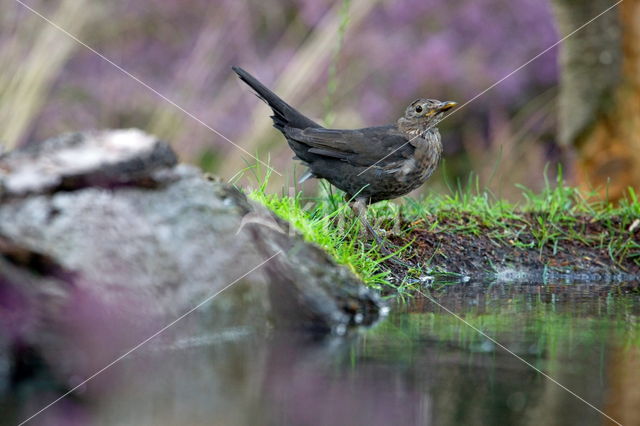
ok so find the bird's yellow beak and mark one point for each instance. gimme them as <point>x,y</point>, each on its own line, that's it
<point>446,106</point>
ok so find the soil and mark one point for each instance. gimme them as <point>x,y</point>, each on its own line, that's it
<point>484,255</point>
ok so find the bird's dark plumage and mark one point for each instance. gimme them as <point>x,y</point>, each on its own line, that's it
<point>370,164</point>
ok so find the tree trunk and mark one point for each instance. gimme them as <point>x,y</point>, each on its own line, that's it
<point>600,93</point>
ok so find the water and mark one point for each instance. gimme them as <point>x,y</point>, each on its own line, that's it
<point>421,365</point>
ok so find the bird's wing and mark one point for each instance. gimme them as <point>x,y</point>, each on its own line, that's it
<point>360,147</point>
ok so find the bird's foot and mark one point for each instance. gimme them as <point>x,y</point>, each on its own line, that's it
<point>387,249</point>
<point>360,207</point>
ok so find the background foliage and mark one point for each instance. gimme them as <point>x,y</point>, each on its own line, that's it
<point>391,53</point>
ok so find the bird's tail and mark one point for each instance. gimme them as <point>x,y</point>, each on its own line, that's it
<point>283,113</point>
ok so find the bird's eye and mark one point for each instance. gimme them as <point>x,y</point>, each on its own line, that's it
<point>419,109</point>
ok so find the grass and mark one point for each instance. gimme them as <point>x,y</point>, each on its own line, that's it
<point>557,213</point>
<point>547,220</point>
<point>326,222</point>
<point>31,72</point>
<point>332,81</point>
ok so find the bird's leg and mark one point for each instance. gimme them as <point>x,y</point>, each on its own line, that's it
<point>360,208</point>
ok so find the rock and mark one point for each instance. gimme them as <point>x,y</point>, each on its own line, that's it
<point>74,161</point>
<point>105,240</point>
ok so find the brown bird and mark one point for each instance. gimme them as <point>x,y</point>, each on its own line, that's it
<point>370,164</point>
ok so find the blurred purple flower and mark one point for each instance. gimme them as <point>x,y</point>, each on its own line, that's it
<point>400,51</point>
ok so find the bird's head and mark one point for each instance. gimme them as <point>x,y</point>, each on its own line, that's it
<point>423,114</point>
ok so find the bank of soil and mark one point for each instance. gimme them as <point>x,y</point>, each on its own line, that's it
<point>582,250</point>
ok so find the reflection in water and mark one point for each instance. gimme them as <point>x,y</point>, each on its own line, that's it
<point>419,366</point>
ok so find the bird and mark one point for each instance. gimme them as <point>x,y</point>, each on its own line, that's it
<point>369,164</point>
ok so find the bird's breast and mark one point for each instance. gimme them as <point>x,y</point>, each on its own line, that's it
<point>424,160</point>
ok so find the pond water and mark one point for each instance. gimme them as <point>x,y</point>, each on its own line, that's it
<point>421,365</point>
